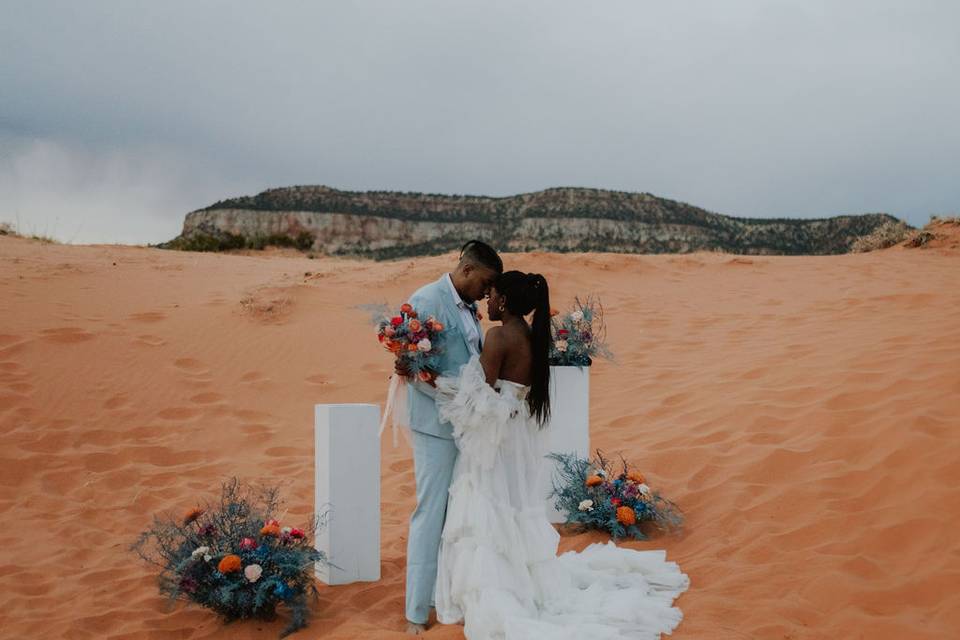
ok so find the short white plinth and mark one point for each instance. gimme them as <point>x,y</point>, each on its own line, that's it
<point>569,428</point>
<point>347,458</point>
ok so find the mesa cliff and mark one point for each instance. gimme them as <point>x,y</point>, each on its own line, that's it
<point>390,224</point>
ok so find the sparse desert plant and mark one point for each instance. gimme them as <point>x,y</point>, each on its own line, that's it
<point>920,238</point>
<point>886,235</point>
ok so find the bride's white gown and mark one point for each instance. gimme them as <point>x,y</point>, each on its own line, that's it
<point>498,570</point>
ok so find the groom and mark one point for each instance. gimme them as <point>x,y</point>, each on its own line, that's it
<point>452,300</point>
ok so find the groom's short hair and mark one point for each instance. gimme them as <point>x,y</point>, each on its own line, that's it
<point>480,253</point>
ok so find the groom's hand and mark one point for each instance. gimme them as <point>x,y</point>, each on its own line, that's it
<point>402,368</point>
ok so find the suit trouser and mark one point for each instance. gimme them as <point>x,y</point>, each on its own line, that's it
<point>433,460</point>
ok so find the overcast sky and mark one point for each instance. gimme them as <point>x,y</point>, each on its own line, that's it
<point>117,118</point>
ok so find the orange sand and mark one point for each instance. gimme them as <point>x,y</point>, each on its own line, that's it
<point>803,411</point>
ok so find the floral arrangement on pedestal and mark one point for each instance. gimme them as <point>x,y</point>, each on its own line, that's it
<point>234,557</point>
<point>594,496</point>
<point>579,335</point>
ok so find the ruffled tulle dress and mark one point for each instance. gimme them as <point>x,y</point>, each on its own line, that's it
<point>498,570</point>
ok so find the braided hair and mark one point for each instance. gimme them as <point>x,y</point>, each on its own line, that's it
<point>525,293</point>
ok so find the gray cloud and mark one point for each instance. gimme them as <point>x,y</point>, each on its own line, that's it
<point>117,118</point>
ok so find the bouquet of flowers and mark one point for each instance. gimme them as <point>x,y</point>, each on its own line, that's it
<point>579,335</point>
<point>414,340</point>
<point>234,557</point>
<point>595,497</point>
<point>417,343</point>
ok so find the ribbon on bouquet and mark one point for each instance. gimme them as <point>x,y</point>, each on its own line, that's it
<point>396,407</point>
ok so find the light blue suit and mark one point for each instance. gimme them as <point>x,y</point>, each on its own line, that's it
<point>434,451</point>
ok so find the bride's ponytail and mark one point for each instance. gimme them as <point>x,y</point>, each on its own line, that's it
<point>538,399</point>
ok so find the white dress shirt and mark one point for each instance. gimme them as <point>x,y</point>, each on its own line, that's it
<point>468,321</point>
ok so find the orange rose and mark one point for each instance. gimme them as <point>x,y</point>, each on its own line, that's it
<point>625,515</point>
<point>636,476</point>
<point>270,530</point>
<point>593,481</point>
<point>438,326</point>
<point>229,564</point>
<point>412,314</point>
<point>414,325</point>
<point>395,346</point>
<point>192,514</point>
<point>405,308</point>
<point>411,347</point>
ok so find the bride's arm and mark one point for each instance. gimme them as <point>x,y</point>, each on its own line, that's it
<point>494,350</point>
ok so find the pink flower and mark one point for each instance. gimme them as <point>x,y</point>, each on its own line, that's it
<point>248,543</point>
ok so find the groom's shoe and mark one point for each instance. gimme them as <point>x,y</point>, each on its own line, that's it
<point>415,628</point>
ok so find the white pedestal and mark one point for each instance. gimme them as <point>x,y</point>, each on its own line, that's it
<point>347,459</point>
<point>569,428</point>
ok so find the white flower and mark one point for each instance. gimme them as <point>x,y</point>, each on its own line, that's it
<point>199,551</point>
<point>253,572</point>
<point>561,345</point>
<point>207,558</point>
<point>576,316</point>
<point>644,489</point>
<point>586,505</point>
<point>286,530</point>
<point>424,345</point>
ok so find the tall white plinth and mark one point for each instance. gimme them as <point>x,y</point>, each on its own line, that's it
<point>569,428</point>
<point>347,458</point>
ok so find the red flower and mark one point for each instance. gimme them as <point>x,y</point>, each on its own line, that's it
<point>615,502</point>
<point>563,332</point>
<point>248,543</point>
<point>396,321</point>
<point>296,533</point>
<point>406,308</point>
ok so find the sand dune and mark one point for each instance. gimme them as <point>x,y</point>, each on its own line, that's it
<point>803,411</point>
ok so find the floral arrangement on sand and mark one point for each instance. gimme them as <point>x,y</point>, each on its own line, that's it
<point>594,496</point>
<point>234,557</point>
<point>579,335</point>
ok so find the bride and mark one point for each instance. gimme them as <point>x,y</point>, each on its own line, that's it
<point>499,573</point>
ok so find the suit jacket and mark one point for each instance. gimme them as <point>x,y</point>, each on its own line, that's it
<point>436,299</point>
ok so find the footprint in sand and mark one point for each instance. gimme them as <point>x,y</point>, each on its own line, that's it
<point>6,339</point>
<point>117,401</point>
<point>66,335</point>
<point>9,401</point>
<point>206,398</point>
<point>190,365</point>
<point>148,316</point>
<point>401,466</point>
<point>253,376</point>
<point>283,452</point>
<point>150,340</point>
<point>178,413</point>
<point>319,379</point>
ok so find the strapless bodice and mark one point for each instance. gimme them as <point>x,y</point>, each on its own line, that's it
<point>511,389</point>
